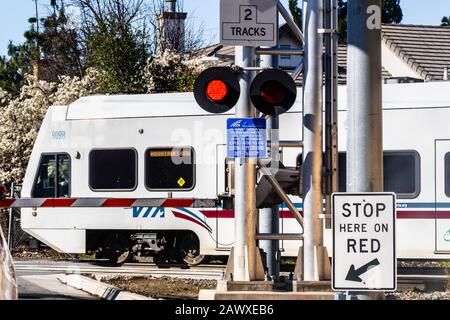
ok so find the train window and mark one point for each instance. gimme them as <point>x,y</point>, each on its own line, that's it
<point>447,174</point>
<point>342,169</point>
<point>53,177</point>
<point>170,169</point>
<point>401,173</point>
<point>113,170</point>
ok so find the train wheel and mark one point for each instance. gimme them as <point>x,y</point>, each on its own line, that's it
<point>117,248</point>
<point>189,250</point>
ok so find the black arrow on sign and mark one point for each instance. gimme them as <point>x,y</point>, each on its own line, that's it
<point>354,274</point>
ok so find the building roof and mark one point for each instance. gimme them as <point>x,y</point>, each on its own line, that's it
<point>342,66</point>
<point>226,54</point>
<point>425,49</point>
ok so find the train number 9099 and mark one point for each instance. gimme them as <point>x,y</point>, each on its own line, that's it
<point>58,135</point>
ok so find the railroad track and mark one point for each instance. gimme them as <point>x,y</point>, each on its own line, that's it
<point>424,279</point>
<point>210,272</point>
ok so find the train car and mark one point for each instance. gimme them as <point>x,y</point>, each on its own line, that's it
<point>166,146</point>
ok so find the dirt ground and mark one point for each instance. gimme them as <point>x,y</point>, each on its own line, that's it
<point>173,288</point>
<point>164,287</point>
<point>24,253</point>
<point>418,295</point>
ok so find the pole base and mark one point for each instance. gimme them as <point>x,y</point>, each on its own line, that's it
<point>256,275</point>
<point>323,264</point>
<point>265,295</point>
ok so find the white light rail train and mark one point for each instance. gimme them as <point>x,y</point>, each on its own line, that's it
<point>166,146</point>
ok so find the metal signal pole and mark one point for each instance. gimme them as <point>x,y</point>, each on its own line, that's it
<point>244,266</point>
<point>269,221</point>
<point>364,92</point>
<point>312,138</point>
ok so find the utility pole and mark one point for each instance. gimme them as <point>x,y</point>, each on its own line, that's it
<point>331,105</point>
<point>364,92</point>
<point>37,16</point>
<point>313,249</point>
<point>269,221</point>
<point>244,266</point>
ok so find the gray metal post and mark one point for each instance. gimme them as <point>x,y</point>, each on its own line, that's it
<point>331,107</point>
<point>312,138</point>
<point>269,217</point>
<point>364,92</point>
<point>245,208</point>
<point>11,217</point>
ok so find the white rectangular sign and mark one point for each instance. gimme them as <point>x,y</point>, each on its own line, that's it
<point>251,23</point>
<point>364,255</point>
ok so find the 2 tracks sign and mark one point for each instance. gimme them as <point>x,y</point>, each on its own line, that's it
<point>251,23</point>
<point>364,255</point>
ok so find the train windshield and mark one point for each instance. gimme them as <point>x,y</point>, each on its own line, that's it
<point>53,177</point>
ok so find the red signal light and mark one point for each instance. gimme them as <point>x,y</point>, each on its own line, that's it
<point>273,92</point>
<point>216,90</point>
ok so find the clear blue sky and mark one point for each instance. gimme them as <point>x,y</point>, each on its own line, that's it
<point>15,13</point>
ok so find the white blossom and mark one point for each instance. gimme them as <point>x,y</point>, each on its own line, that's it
<point>170,71</point>
<point>21,118</point>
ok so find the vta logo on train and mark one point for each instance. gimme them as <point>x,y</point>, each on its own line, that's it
<point>179,213</point>
<point>149,212</point>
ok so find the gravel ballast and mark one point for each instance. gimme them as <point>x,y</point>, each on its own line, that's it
<point>163,287</point>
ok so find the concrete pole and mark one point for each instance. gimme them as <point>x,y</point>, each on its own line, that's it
<point>269,221</point>
<point>364,91</point>
<point>312,138</point>
<point>244,266</point>
<point>331,106</point>
<point>269,217</point>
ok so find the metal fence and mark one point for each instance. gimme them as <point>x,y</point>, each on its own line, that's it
<point>16,236</point>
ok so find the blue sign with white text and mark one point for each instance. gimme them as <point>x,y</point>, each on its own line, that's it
<point>246,138</point>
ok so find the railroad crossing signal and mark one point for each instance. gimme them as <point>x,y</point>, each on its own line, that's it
<point>272,92</point>
<point>217,89</point>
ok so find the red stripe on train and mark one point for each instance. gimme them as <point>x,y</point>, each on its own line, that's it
<point>423,214</point>
<point>218,213</point>
<point>443,214</point>
<point>285,214</point>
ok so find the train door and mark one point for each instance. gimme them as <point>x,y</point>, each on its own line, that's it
<point>442,192</point>
<point>224,215</point>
